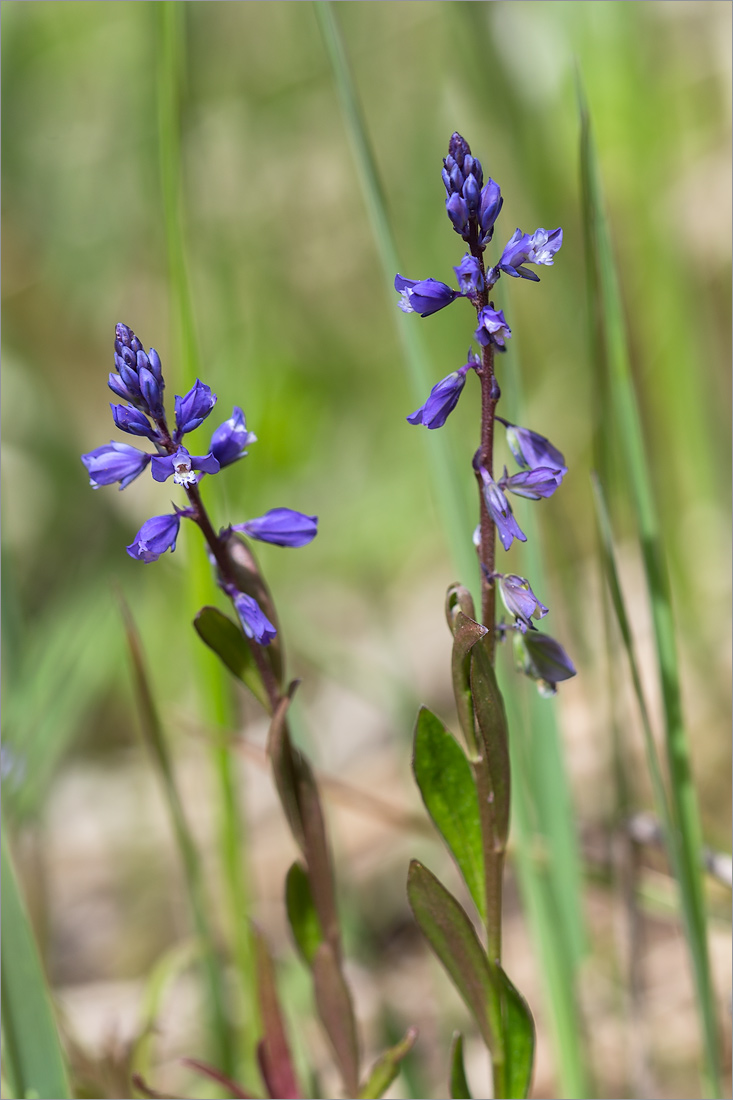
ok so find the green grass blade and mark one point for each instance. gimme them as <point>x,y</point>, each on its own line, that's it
<point>625,433</point>
<point>31,1046</point>
<point>448,480</point>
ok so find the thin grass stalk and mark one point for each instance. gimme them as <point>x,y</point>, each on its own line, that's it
<point>626,432</point>
<point>213,685</point>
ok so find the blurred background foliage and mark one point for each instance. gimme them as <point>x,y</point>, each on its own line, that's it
<point>293,324</point>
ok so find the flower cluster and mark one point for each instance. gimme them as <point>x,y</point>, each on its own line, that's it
<point>473,208</point>
<point>138,380</point>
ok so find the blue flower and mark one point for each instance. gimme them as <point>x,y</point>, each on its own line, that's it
<point>131,420</point>
<point>140,376</point>
<point>532,450</point>
<point>192,410</point>
<point>155,537</point>
<point>281,526</point>
<point>519,600</point>
<point>492,328</point>
<point>182,466</point>
<point>114,462</point>
<point>499,509</point>
<point>255,623</point>
<point>230,439</point>
<point>468,203</point>
<point>539,248</point>
<point>533,484</point>
<point>423,296</point>
<point>542,659</point>
<point>443,397</point>
<point>489,209</point>
<point>469,276</point>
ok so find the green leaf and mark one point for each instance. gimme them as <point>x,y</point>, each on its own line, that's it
<point>387,1066</point>
<point>519,1040</point>
<point>459,1089</point>
<point>31,1047</point>
<point>222,634</point>
<point>337,1013</point>
<point>494,734</point>
<point>445,925</point>
<point>447,786</point>
<point>302,915</point>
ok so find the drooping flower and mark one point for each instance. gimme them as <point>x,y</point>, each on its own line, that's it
<point>542,659</point>
<point>192,410</point>
<point>281,526</point>
<point>255,623</point>
<point>492,328</point>
<point>183,467</point>
<point>469,276</point>
<point>155,537</point>
<point>114,462</point>
<point>423,296</point>
<point>230,440</point>
<point>499,509</point>
<point>531,450</point>
<point>443,397</point>
<point>533,484</point>
<point>519,600</point>
<point>539,248</point>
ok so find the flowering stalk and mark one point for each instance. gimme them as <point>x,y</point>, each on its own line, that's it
<point>473,208</point>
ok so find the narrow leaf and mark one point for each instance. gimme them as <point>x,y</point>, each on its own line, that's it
<point>448,789</point>
<point>445,925</point>
<point>302,915</point>
<point>216,1075</point>
<point>273,1052</point>
<point>31,1047</point>
<point>519,1040</point>
<point>459,1089</point>
<point>494,735</point>
<point>387,1066</point>
<point>222,634</point>
<point>336,1011</point>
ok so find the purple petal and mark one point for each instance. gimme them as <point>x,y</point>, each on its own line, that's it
<point>114,462</point>
<point>282,527</point>
<point>441,402</point>
<point>155,537</point>
<point>192,410</point>
<point>533,484</point>
<point>230,439</point>
<point>255,623</point>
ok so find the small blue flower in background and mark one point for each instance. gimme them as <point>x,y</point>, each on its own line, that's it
<point>533,484</point>
<point>492,328</point>
<point>531,450</point>
<point>183,467</point>
<point>443,397</point>
<point>230,440</point>
<point>281,527</point>
<point>519,600</point>
<point>500,509</point>
<point>155,537</point>
<point>423,296</point>
<point>539,248</point>
<point>114,462</point>
<point>469,276</point>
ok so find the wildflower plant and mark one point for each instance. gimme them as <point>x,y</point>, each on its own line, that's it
<point>467,790</point>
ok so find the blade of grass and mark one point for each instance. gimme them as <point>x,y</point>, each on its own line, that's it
<point>154,738</point>
<point>448,481</point>
<point>213,686</point>
<point>31,1048</point>
<point>624,432</point>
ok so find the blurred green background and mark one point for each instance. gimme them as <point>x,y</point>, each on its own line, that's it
<point>293,324</point>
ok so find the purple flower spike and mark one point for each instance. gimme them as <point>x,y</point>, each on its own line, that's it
<point>182,466</point>
<point>539,248</point>
<point>230,440</point>
<point>442,400</point>
<point>132,421</point>
<point>492,328</point>
<point>423,296</point>
<point>533,484</point>
<point>489,209</point>
<point>542,659</point>
<point>114,462</point>
<point>155,537</point>
<point>520,601</point>
<point>281,527</point>
<point>500,510</point>
<point>192,410</point>
<point>255,623</point>
<point>469,276</point>
<point>532,450</point>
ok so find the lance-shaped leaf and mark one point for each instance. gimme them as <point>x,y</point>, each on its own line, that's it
<point>298,792</point>
<point>519,1039</point>
<point>273,1053</point>
<point>246,573</point>
<point>459,1089</point>
<point>448,789</point>
<point>445,925</point>
<point>386,1067</point>
<point>226,639</point>
<point>494,736</point>
<point>302,915</point>
<point>333,1000</point>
